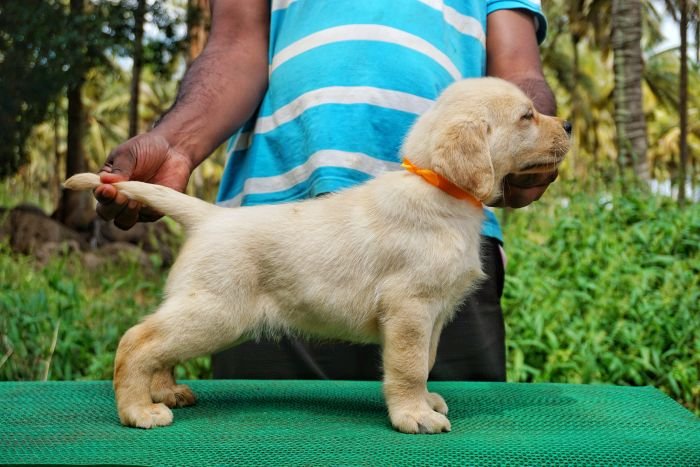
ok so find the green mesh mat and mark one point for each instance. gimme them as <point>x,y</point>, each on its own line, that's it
<point>344,423</point>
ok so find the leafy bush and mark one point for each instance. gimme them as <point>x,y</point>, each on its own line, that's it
<point>606,291</point>
<point>62,322</point>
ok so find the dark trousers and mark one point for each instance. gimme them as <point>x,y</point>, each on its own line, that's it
<point>472,345</point>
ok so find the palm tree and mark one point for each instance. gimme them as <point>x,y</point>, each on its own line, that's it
<point>684,13</point>
<point>683,100</point>
<point>628,70</point>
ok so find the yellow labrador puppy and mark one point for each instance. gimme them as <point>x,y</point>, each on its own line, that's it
<point>385,262</point>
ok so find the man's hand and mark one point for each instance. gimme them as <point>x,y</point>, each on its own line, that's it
<point>513,54</point>
<point>219,92</point>
<point>147,158</point>
<point>519,190</point>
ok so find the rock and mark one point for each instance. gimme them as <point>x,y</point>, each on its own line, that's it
<point>153,237</point>
<point>44,252</point>
<point>27,228</point>
<point>116,254</point>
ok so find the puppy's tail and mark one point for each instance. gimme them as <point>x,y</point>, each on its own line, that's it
<point>185,209</point>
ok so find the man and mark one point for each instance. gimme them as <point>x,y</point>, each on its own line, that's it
<point>323,93</point>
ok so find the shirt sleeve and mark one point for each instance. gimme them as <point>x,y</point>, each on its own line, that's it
<point>533,6</point>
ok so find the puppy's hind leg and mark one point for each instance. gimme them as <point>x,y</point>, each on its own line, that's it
<point>164,389</point>
<point>134,367</point>
<point>181,329</point>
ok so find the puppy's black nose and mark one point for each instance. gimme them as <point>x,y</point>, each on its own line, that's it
<point>567,128</point>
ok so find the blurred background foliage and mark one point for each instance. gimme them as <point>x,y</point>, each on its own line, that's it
<point>46,47</point>
<point>605,289</point>
<point>602,282</point>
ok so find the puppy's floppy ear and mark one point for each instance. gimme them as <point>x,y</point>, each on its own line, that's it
<point>462,156</point>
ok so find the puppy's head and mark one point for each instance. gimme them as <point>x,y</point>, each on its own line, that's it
<point>481,130</point>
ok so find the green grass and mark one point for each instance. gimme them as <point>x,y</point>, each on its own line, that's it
<point>606,292</point>
<point>596,292</point>
<point>62,322</point>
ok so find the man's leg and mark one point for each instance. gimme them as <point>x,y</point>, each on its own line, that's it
<point>297,359</point>
<point>472,346</point>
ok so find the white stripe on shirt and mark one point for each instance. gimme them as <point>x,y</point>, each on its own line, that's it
<point>365,32</point>
<point>379,97</point>
<point>462,23</point>
<point>242,141</point>
<point>280,4</point>
<point>324,158</point>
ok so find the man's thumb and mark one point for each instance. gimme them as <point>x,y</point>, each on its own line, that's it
<point>118,166</point>
<point>109,178</point>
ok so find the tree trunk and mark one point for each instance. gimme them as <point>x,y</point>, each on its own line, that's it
<point>57,157</point>
<point>575,103</point>
<point>628,68</point>
<point>197,27</point>
<point>75,158</point>
<point>683,104</point>
<point>696,22</point>
<point>139,17</point>
<point>75,208</point>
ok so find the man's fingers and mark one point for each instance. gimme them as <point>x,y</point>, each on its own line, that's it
<point>128,216</point>
<point>147,214</point>
<point>516,197</point>
<point>520,190</point>
<point>120,163</point>
<point>109,178</point>
<point>113,205</point>
<point>105,194</point>
<point>110,202</point>
<point>531,180</point>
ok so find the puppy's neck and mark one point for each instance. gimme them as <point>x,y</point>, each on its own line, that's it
<point>443,184</point>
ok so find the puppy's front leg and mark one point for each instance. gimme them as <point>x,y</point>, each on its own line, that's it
<point>435,400</point>
<point>407,336</point>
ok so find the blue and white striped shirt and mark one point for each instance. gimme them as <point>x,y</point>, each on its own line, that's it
<point>347,80</point>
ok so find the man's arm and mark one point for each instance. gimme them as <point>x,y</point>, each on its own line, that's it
<point>225,84</point>
<point>220,91</point>
<point>512,53</point>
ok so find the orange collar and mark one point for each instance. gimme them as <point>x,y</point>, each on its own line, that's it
<point>441,182</point>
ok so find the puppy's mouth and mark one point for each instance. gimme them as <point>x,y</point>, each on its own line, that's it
<point>547,161</point>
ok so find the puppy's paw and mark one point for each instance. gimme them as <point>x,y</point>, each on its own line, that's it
<point>436,402</point>
<point>178,395</point>
<point>148,416</point>
<point>423,420</point>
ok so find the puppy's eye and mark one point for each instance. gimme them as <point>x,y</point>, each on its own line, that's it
<point>528,116</point>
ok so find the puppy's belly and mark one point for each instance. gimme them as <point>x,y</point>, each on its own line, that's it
<point>332,318</point>
<point>321,327</point>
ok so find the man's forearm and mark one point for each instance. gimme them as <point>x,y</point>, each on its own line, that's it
<point>225,84</point>
<point>513,54</point>
<point>218,94</point>
<point>539,91</point>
